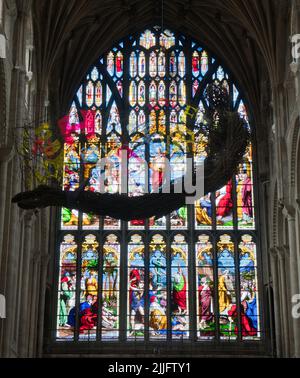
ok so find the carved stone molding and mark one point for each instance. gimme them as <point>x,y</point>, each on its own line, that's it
<point>28,218</point>
<point>286,250</point>
<point>273,253</point>
<point>294,155</point>
<point>289,212</point>
<point>295,68</point>
<point>282,252</point>
<point>298,205</point>
<point>6,154</point>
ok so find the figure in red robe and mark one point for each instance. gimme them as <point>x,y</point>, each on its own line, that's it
<point>195,63</point>
<point>134,280</point>
<point>179,292</point>
<point>205,299</point>
<point>247,328</point>
<point>225,204</point>
<point>119,64</point>
<point>89,123</point>
<point>88,314</point>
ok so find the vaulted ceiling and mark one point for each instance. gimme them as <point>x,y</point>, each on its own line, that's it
<point>248,35</point>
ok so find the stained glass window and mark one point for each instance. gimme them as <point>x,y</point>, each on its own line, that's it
<point>192,275</point>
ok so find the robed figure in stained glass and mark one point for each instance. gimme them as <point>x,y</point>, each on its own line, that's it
<point>179,291</point>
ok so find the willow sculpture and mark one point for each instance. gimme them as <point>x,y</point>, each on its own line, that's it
<point>227,135</point>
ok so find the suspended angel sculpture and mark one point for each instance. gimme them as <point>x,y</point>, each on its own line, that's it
<point>228,136</point>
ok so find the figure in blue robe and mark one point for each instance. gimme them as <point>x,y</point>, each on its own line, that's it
<point>206,204</point>
<point>158,269</point>
<point>251,312</point>
<point>72,314</point>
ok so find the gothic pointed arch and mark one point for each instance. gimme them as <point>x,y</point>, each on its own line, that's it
<point>192,275</point>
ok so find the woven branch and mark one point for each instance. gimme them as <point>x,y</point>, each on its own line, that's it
<point>228,137</point>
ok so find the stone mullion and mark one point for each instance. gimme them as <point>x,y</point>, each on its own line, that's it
<point>192,277</point>
<point>238,288</point>
<point>169,288</point>
<point>147,282</point>
<point>123,288</point>
<point>124,225</point>
<point>100,285</point>
<point>216,290</point>
<point>78,288</point>
<point>167,81</point>
<point>192,274</point>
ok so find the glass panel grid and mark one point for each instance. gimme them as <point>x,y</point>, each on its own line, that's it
<point>158,291</point>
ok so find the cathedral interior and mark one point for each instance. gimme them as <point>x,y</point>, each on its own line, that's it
<point>218,278</point>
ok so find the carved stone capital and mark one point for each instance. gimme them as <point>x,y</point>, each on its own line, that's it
<point>289,212</point>
<point>286,250</point>
<point>26,216</point>
<point>282,251</point>
<point>273,253</point>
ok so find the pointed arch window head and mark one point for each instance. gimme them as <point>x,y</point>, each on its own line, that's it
<point>191,275</point>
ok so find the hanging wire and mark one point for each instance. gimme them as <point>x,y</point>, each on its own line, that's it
<point>162,16</point>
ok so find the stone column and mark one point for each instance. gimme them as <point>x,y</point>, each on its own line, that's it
<point>6,154</point>
<point>11,260</point>
<point>46,231</point>
<point>25,288</point>
<point>34,308</point>
<point>289,213</point>
<point>276,292</point>
<point>12,235</point>
<point>284,302</point>
<point>45,258</point>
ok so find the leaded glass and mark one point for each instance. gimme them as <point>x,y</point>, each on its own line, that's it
<point>192,275</point>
